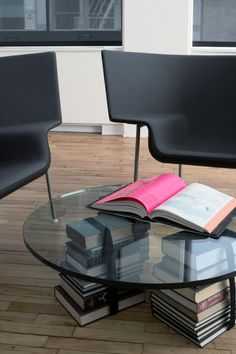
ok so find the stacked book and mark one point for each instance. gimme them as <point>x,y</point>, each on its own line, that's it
<point>88,301</point>
<point>200,313</point>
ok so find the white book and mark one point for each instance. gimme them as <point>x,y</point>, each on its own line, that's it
<point>166,197</point>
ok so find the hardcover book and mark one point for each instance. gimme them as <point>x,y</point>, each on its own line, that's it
<point>96,256</point>
<point>201,292</point>
<point>89,233</point>
<point>199,329</point>
<point>122,263</point>
<point>166,271</point>
<point>198,252</point>
<point>166,197</point>
<point>200,336</point>
<point>87,301</point>
<point>201,305</point>
<point>186,320</point>
<point>127,299</point>
<point>164,299</point>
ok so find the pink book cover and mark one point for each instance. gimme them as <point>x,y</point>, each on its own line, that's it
<point>149,192</point>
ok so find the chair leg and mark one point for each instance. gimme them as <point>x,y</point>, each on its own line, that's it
<point>180,170</point>
<point>52,206</point>
<point>136,158</point>
<point>137,148</point>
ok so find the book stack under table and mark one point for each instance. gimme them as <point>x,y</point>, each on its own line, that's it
<point>88,301</point>
<point>200,313</point>
<point>86,306</point>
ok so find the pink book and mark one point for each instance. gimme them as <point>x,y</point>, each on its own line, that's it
<point>166,197</point>
<point>148,192</point>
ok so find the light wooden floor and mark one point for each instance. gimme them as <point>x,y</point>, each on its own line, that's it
<point>31,320</point>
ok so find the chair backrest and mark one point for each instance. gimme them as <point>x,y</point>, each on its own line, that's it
<point>200,87</point>
<point>29,90</point>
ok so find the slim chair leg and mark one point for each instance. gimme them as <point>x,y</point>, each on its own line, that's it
<point>180,170</point>
<point>137,148</point>
<point>52,206</point>
<point>136,158</point>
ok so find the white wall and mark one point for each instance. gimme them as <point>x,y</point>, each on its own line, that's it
<point>82,87</point>
<point>148,25</point>
<point>156,26</point>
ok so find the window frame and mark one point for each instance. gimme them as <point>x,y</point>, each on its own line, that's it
<point>66,38</point>
<point>209,46</point>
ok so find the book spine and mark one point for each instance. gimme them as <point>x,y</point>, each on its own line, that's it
<point>97,251</point>
<point>87,262</point>
<point>80,240</point>
<point>96,300</point>
<point>94,257</point>
<point>197,307</point>
<point>76,237</point>
<point>89,302</point>
<point>213,300</point>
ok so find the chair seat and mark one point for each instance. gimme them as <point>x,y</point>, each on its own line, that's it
<point>186,101</point>
<point>205,150</point>
<point>19,173</point>
<point>172,141</point>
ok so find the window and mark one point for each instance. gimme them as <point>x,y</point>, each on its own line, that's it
<point>214,23</point>
<point>60,22</point>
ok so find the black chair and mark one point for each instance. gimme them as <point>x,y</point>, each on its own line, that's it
<point>29,108</point>
<point>187,102</point>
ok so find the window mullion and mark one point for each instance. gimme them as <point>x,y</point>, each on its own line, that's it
<point>48,19</point>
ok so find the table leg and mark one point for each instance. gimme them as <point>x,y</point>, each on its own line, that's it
<point>113,300</point>
<point>232,302</point>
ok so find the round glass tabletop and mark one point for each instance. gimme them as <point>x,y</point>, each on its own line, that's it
<point>125,252</point>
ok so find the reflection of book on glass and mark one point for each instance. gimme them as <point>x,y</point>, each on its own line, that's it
<point>93,256</point>
<point>182,273</point>
<point>195,206</point>
<point>97,256</point>
<point>89,232</point>
<point>120,263</point>
<point>197,252</point>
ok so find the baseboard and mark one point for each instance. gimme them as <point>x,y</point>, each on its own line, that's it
<point>104,129</point>
<point>125,130</point>
<point>78,128</point>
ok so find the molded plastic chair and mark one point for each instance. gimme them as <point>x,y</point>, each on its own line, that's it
<point>29,108</point>
<point>187,102</point>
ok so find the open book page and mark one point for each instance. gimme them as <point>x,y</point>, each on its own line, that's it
<point>148,192</point>
<point>200,205</point>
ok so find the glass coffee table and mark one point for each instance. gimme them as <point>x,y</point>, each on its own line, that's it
<point>130,253</point>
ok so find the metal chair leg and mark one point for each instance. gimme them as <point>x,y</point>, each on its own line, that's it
<point>52,206</point>
<point>137,148</point>
<point>136,158</point>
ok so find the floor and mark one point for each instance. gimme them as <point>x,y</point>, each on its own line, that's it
<point>31,320</point>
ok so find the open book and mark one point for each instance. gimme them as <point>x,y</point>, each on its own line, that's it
<point>166,197</point>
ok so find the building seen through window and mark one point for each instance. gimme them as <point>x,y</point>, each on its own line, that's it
<point>67,22</point>
<point>214,23</point>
